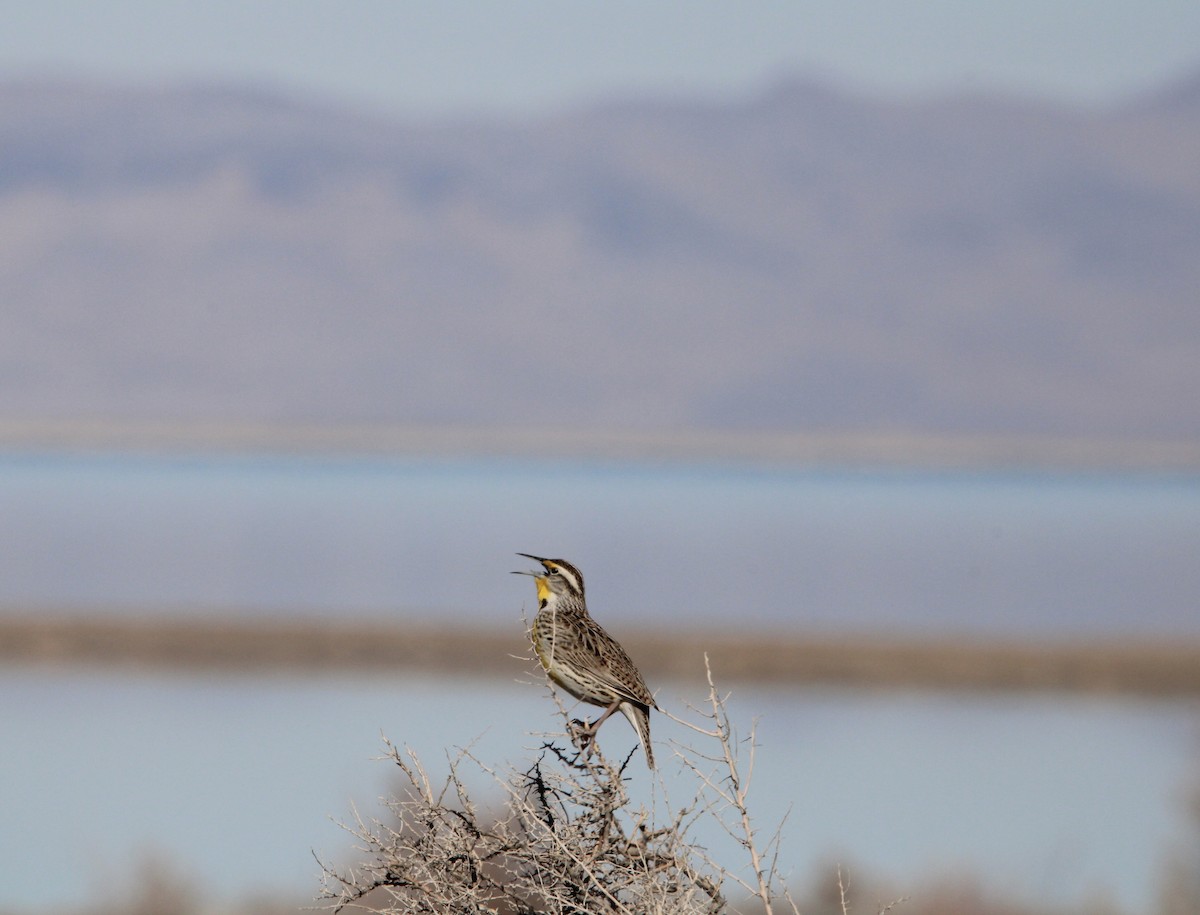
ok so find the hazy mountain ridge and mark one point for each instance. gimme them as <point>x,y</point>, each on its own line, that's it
<point>799,259</point>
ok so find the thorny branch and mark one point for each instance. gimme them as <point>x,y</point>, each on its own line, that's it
<point>563,836</point>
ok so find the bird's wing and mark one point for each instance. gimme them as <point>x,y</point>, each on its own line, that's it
<point>616,669</point>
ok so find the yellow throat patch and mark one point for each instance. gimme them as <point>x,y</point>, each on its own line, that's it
<point>542,588</point>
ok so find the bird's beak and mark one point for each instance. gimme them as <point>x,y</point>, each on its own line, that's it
<point>537,558</point>
<point>545,563</point>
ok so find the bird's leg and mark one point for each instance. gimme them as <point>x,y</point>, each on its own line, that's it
<point>595,725</point>
<point>583,733</point>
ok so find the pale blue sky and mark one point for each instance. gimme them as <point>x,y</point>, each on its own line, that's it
<point>531,55</point>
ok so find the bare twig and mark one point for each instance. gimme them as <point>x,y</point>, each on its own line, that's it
<point>563,836</point>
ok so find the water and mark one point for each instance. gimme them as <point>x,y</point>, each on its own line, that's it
<point>1012,555</point>
<point>238,781</point>
<point>237,778</point>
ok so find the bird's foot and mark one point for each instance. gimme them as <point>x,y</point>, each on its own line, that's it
<point>581,734</point>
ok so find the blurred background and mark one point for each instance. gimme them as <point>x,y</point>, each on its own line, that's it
<point>856,345</point>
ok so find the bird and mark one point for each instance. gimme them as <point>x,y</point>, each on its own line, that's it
<point>581,657</point>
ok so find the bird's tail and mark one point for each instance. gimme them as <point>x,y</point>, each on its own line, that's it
<point>639,717</point>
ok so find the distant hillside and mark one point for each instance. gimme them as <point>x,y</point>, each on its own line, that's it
<point>801,259</point>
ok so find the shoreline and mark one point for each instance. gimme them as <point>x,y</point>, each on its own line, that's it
<point>1158,669</point>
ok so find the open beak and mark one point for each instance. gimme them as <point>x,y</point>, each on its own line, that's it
<point>531,574</point>
<point>535,559</point>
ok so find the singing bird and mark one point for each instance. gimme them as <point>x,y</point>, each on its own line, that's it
<point>581,657</point>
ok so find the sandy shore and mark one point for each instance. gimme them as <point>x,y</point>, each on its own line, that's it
<point>1162,669</point>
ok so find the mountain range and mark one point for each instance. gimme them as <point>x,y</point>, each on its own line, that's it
<point>803,258</point>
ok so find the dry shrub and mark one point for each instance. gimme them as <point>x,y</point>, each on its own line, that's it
<point>566,838</point>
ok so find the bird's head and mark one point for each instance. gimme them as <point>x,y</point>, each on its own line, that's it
<point>560,580</point>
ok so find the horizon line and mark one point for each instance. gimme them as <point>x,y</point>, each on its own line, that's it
<point>900,449</point>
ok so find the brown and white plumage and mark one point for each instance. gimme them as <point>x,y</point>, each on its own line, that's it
<point>581,657</point>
